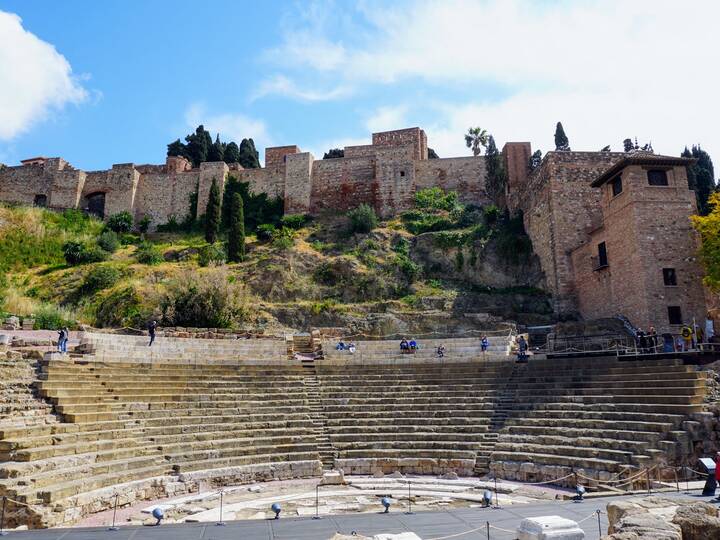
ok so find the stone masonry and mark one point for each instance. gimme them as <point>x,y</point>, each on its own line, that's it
<point>565,211</point>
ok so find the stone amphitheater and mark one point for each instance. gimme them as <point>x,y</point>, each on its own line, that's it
<point>116,417</point>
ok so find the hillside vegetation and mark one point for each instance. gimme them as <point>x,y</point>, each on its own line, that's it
<point>444,265</point>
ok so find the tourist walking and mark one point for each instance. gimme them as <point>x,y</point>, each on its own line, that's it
<point>484,344</point>
<point>151,330</point>
<point>522,349</point>
<point>62,336</point>
<point>441,351</point>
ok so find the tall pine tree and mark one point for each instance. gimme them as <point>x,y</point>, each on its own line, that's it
<point>561,141</point>
<point>236,232</point>
<point>212,214</point>
<point>198,145</point>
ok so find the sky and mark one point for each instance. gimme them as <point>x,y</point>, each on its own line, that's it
<point>115,81</point>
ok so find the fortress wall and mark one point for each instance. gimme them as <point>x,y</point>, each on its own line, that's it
<point>66,188</point>
<point>395,175</point>
<point>560,208</point>
<point>216,170</point>
<point>342,183</point>
<point>414,137</point>
<point>262,181</point>
<point>466,175</point>
<point>367,150</point>
<point>161,195</point>
<point>298,173</point>
<point>119,185</point>
<point>21,184</point>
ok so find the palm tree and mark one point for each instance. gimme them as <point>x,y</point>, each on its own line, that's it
<point>475,138</point>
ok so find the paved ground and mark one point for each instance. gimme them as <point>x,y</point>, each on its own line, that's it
<point>427,525</point>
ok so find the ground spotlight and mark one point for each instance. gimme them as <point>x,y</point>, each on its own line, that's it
<point>158,514</point>
<point>276,508</point>
<point>385,501</point>
<point>579,492</point>
<point>487,498</point>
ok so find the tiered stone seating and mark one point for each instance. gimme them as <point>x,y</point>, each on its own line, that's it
<point>385,351</point>
<point>598,416</point>
<point>416,418</point>
<point>116,347</point>
<point>128,422</point>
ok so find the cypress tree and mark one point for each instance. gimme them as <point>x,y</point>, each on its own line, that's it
<point>535,160</point>
<point>249,157</point>
<point>232,153</point>
<point>212,214</point>
<point>216,150</point>
<point>561,141</point>
<point>495,169</point>
<point>236,232</point>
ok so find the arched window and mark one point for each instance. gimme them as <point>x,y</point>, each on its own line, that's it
<point>95,204</point>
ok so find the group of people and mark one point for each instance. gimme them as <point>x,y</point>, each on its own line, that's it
<point>349,347</point>
<point>63,338</point>
<point>687,340</point>
<point>408,346</point>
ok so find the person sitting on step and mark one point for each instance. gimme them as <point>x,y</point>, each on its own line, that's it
<point>404,347</point>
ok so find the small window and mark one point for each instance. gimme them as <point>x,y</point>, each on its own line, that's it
<point>616,186</point>
<point>402,173</point>
<point>657,178</point>
<point>669,277</point>
<point>674,315</point>
<point>602,255</point>
<point>40,200</point>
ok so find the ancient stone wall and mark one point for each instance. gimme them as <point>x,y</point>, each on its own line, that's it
<point>298,184</point>
<point>466,175</point>
<point>645,229</point>
<point>165,195</point>
<point>414,137</point>
<point>342,184</point>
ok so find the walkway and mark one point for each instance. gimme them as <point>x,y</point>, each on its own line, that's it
<point>427,525</point>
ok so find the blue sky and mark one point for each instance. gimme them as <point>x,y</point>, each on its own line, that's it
<point>112,82</point>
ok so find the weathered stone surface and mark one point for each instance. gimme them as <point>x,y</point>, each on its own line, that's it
<point>698,521</point>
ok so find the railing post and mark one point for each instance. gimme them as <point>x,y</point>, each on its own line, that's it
<point>599,526</point>
<point>317,501</point>
<point>2,518</point>
<point>113,527</point>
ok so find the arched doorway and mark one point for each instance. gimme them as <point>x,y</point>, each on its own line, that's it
<point>95,204</point>
<point>40,200</point>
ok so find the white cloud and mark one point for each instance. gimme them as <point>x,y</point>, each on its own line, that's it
<point>607,69</point>
<point>34,78</point>
<point>230,126</point>
<point>284,86</point>
<point>387,118</point>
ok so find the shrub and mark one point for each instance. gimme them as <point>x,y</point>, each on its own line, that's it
<point>109,241</point>
<point>211,254</point>
<point>123,307</point>
<point>144,224</point>
<point>49,317</point>
<point>79,253</point>
<point>171,226</point>
<point>294,221</point>
<point>491,214</point>
<point>266,232</point>
<point>283,238</point>
<point>121,222</point>
<point>362,219</point>
<point>206,300</point>
<point>148,253</point>
<point>101,277</point>
<point>435,198</point>
<point>408,268</point>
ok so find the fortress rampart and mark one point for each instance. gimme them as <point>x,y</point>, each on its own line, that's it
<point>566,213</point>
<point>384,174</point>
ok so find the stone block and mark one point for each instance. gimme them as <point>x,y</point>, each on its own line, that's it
<point>549,528</point>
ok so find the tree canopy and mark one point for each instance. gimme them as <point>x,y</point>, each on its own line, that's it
<point>709,228</point>
<point>199,147</point>
<point>701,177</point>
<point>535,160</point>
<point>561,141</point>
<point>476,138</point>
<point>334,153</point>
<point>432,154</point>
<point>495,170</point>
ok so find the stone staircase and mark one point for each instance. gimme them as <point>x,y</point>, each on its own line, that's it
<point>504,405</point>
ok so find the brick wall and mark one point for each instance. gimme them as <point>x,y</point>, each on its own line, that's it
<point>414,137</point>
<point>298,172</point>
<point>275,156</point>
<point>342,184</point>
<point>466,175</point>
<point>162,195</point>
